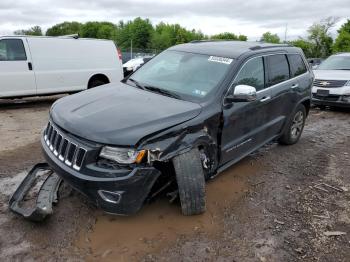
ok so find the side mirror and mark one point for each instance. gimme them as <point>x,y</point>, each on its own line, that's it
<point>241,93</point>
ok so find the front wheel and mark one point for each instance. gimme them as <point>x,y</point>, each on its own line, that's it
<point>191,182</point>
<point>295,127</point>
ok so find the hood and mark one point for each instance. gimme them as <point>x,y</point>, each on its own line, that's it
<point>119,114</point>
<point>332,74</point>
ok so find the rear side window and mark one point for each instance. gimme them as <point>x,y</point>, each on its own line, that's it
<point>297,65</point>
<point>277,68</point>
<point>252,74</point>
<point>12,50</point>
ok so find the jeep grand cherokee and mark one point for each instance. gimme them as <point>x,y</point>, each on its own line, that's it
<point>189,113</point>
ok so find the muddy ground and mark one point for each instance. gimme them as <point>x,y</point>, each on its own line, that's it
<point>275,205</point>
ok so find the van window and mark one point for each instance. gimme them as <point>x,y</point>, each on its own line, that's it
<point>252,73</point>
<point>278,69</point>
<point>297,65</point>
<point>12,50</point>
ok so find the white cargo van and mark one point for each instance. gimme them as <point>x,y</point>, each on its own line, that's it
<point>31,66</point>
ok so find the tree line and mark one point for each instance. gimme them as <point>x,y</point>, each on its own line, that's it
<point>141,34</point>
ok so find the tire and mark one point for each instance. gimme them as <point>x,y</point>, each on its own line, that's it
<point>96,82</point>
<point>191,182</point>
<point>295,127</point>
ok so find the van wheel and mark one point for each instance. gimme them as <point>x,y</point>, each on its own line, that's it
<point>295,127</point>
<point>191,182</point>
<point>96,82</point>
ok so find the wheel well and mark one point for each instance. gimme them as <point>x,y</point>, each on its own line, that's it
<point>307,104</point>
<point>100,77</point>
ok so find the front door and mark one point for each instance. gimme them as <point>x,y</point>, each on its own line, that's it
<point>16,75</point>
<point>246,124</point>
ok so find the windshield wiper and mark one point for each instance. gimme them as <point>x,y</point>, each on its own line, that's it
<point>154,89</point>
<point>137,84</point>
<point>162,91</point>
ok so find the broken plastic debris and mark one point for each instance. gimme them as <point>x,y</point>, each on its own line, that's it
<point>46,195</point>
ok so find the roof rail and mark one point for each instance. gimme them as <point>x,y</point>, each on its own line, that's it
<point>75,36</point>
<point>258,47</point>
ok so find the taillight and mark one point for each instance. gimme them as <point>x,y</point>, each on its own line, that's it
<point>119,54</point>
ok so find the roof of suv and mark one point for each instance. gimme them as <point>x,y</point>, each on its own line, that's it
<point>231,49</point>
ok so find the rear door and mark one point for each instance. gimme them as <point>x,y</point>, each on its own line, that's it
<point>282,90</point>
<point>246,124</point>
<point>16,73</point>
<point>287,78</point>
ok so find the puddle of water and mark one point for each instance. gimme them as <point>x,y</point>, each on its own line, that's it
<point>160,223</point>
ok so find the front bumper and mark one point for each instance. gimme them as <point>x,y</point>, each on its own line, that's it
<point>332,100</point>
<point>122,193</point>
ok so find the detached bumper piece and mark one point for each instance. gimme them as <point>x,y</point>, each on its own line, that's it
<point>45,197</point>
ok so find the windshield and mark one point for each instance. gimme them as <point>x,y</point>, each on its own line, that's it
<point>335,63</point>
<point>190,76</point>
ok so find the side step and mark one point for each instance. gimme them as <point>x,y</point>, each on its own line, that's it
<point>46,195</point>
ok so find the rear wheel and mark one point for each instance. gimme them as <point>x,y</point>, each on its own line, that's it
<point>295,127</point>
<point>96,82</point>
<point>191,182</point>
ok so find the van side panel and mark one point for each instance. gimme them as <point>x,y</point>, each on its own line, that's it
<point>64,64</point>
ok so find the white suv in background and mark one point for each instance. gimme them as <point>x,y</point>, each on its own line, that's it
<point>332,82</point>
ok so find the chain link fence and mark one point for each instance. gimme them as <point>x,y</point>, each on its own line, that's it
<point>137,52</point>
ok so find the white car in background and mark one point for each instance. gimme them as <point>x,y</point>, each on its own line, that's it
<point>31,66</point>
<point>133,64</point>
<point>332,82</point>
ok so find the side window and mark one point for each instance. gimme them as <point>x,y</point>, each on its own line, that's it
<point>252,73</point>
<point>297,65</point>
<point>278,69</point>
<point>12,50</point>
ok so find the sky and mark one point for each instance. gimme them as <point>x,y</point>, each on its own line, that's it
<point>249,17</point>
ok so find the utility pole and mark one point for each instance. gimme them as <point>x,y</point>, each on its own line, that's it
<point>131,49</point>
<point>285,33</point>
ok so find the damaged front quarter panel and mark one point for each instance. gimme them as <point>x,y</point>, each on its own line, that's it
<point>179,139</point>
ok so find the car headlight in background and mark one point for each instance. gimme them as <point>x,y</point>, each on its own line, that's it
<point>347,83</point>
<point>122,155</point>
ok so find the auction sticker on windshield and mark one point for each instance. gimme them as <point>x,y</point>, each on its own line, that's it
<point>218,59</point>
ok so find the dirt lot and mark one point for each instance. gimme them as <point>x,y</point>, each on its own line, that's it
<point>276,205</point>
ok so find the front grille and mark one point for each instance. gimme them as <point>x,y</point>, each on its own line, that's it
<point>63,148</point>
<point>329,83</point>
<point>331,98</point>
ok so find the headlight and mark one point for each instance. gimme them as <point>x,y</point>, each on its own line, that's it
<point>347,83</point>
<point>122,155</point>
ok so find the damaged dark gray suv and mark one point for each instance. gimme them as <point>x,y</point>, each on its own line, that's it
<point>185,116</point>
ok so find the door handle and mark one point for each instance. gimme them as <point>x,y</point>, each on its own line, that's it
<point>30,66</point>
<point>265,98</point>
<point>294,86</point>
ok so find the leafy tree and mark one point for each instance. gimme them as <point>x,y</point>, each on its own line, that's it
<point>35,30</point>
<point>225,36</point>
<point>305,45</point>
<point>242,38</point>
<point>139,31</point>
<point>319,35</point>
<point>65,28</point>
<point>342,42</point>
<point>268,37</point>
<point>100,30</point>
